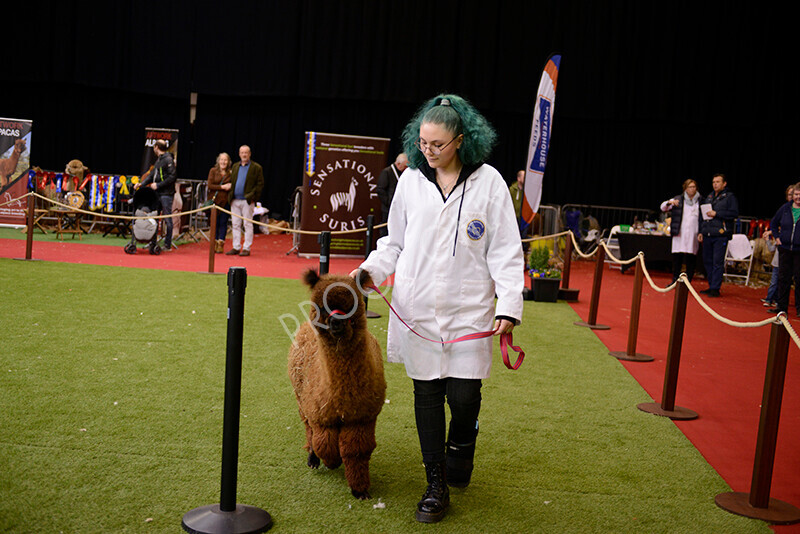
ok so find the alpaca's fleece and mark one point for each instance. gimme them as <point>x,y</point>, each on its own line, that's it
<point>336,369</point>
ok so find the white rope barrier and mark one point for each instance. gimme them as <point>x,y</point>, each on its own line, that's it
<point>13,200</point>
<point>639,257</point>
<point>113,216</point>
<point>73,209</point>
<point>291,230</point>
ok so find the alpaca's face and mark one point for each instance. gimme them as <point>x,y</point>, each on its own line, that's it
<point>337,304</point>
<point>338,307</point>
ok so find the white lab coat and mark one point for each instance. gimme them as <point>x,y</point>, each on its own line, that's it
<point>440,295</point>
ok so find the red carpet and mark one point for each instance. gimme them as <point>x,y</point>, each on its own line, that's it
<point>268,256</point>
<point>721,373</point>
<point>722,367</point>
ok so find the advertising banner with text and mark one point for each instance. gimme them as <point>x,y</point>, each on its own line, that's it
<point>15,161</point>
<point>339,190</point>
<point>151,135</point>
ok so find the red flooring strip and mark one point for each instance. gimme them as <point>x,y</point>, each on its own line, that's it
<point>722,368</point>
<point>721,373</point>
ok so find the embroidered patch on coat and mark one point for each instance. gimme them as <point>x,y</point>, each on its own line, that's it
<point>476,229</point>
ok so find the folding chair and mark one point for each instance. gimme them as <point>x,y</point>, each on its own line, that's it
<point>738,254</point>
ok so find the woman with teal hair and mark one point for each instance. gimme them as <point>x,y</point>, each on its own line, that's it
<point>453,245</point>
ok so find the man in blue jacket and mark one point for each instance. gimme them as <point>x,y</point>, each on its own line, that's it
<point>716,230</point>
<point>785,226</point>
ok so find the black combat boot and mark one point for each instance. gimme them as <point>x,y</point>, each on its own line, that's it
<point>437,496</point>
<point>459,463</point>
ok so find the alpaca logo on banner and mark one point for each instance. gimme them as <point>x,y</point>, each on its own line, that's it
<point>345,199</point>
<point>340,182</point>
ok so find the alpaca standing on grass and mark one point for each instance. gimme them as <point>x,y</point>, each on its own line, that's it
<point>336,369</point>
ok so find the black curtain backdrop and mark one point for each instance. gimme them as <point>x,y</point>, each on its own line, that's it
<point>649,93</point>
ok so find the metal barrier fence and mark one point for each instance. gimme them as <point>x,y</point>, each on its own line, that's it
<point>608,216</point>
<point>550,219</point>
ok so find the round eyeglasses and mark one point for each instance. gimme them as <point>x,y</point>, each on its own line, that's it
<point>435,149</point>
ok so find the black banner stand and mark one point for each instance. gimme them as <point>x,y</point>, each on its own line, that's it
<point>227,517</point>
<point>368,248</point>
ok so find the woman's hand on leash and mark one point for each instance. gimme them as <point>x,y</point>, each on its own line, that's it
<point>354,273</point>
<point>503,326</point>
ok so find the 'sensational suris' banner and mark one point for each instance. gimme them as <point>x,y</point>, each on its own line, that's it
<point>15,161</point>
<point>540,139</point>
<point>151,135</point>
<point>339,190</point>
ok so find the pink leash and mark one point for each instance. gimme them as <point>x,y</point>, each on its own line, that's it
<point>506,340</point>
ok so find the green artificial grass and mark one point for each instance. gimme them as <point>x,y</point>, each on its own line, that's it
<point>111,405</point>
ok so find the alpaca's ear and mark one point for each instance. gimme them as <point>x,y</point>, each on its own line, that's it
<point>311,277</point>
<point>364,279</point>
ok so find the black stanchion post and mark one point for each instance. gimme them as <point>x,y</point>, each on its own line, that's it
<point>324,240</point>
<point>667,407</point>
<point>565,292</point>
<point>633,328</point>
<point>29,239</point>
<point>227,517</point>
<point>595,300</point>
<point>368,249</point>
<point>757,504</point>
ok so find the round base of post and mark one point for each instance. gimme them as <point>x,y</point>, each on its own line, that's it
<point>210,272</point>
<point>569,294</point>
<point>620,355</point>
<point>678,413</point>
<point>372,315</point>
<point>777,512</point>
<point>211,520</point>
<point>27,259</point>
<point>592,326</point>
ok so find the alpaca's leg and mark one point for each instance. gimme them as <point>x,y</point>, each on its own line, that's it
<point>356,444</point>
<point>325,444</point>
<point>313,459</point>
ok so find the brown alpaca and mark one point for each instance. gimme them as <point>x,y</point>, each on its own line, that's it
<point>9,166</point>
<point>336,369</point>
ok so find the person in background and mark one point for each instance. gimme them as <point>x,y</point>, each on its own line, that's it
<point>177,207</point>
<point>247,181</point>
<point>785,226</point>
<point>452,246</point>
<point>218,186</point>
<point>517,190</point>
<point>684,228</point>
<point>387,183</point>
<point>772,290</point>
<point>716,230</point>
<point>162,180</point>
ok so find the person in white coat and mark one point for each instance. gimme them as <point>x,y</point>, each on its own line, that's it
<point>453,244</point>
<point>684,228</point>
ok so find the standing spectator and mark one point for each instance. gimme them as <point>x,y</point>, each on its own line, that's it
<point>247,181</point>
<point>684,228</point>
<point>452,247</point>
<point>218,185</point>
<point>177,207</point>
<point>785,226</point>
<point>772,290</point>
<point>387,183</point>
<point>162,180</point>
<point>716,230</point>
<point>517,190</point>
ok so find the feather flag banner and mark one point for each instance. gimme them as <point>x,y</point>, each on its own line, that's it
<point>540,139</point>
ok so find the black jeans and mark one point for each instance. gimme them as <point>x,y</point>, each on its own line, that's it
<point>464,399</point>
<point>166,209</point>
<point>222,223</point>
<point>788,268</point>
<point>677,263</point>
